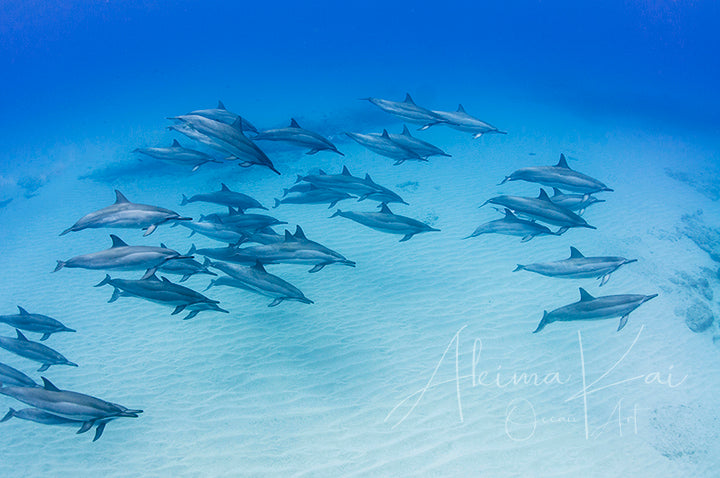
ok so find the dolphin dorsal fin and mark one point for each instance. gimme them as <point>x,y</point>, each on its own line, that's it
<point>557,192</point>
<point>293,123</point>
<point>221,106</point>
<point>408,99</point>
<point>162,244</point>
<point>562,163</point>
<point>223,187</point>
<point>575,254</point>
<point>460,109</point>
<point>299,233</point>
<point>321,172</point>
<point>22,311</point>
<point>48,385</point>
<point>237,124</point>
<point>258,266</point>
<point>385,134</point>
<point>20,336</point>
<point>346,171</point>
<point>406,131</point>
<point>288,236</point>
<point>192,250</point>
<point>117,242</point>
<point>543,195</point>
<point>368,178</point>
<point>585,295</point>
<point>176,144</point>
<point>120,197</point>
<point>164,279</point>
<point>385,209</point>
<point>509,215</point>
<point>152,277</point>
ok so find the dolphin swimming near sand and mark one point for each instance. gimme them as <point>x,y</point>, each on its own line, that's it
<point>223,115</point>
<point>577,266</point>
<point>225,197</point>
<point>422,148</point>
<point>384,146</point>
<point>34,351</point>
<point>87,410</point>
<point>14,377</point>
<point>511,225</point>
<point>462,121</point>
<point>122,257</point>
<point>559,176</point>
<point>126,214</point>
<point>386,221</point>
<point>296,135</point>
<point>226,233</point>
<point>242,221</point>
<point>178,155</point>
<point>574,202</point>
<point>196,135</point>
<point>407,110</point>
<point>347,183</point>
<point>596,308</point>
<point>314,195</point>
<point>185,267</point>
<point>45,418</point>
<point>39,323</point>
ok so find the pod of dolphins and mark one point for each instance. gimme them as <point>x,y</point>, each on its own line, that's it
<point>250,243</point>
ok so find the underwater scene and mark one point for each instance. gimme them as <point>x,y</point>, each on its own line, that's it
<point>392,239</point>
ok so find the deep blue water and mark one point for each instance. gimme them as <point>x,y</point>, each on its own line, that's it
<point>627,90</point>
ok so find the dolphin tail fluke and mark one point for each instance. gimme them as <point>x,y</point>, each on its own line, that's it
<point>277,202</point>
<point>99,431</point>
<point>8,415</point>
<point>337,213</point>
<point>106,280</point>
<point>519,267</point>
<point>184,200</point>
<point>212,283</point>
<point>60,265</point>
<point>543,322</point>
<point>299,179</point>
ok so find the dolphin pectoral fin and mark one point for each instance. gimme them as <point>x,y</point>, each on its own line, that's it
<point>581,212</point>
<point>185,277</point>
<point>99,431</point>
<point>406,237</point>
<point>149,273</point>
<point>424,127</point>
<point>312,151</point>
<point>275,302</point>
<point>623,321</point>
<point>604,279</point>
<point>246,164</point>
<point>317,268</point>
<point>192,314</point>
<point>178,309</point>
<point>150,230</point>
<point>527,238</point>
<point>44,367</point>
<point>85,427</point>
<point>476,136</point>
<point>45,336</point>
<point>562,231</point>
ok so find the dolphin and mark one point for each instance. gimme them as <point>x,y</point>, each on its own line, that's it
<point>256,279</point>
<point>5,202</point>
<point>90,411</point>
<point>542,209</point>
<point>265,235</point>
<point>386,221</point>
<point>232,138</point>
<point>34,351</point>
<point>162,292</point>
<point>242,221</point>
<point>225,197</point>
<point>462,121</point>
<point>512,226</point>
<point>196,135</point>
<point>577,266</point>
<point>384,146</point>
<point>226,233</point>
<point>300,136</point>
<point>122,257</point>
<point>294,249</point>
<point>185,267</point>
<point>422,148</point>
<point>34,323</point>
<point>40,416</point>
<point>15,378</point>
<point>126,214</point>
<point>315,196</point>
<point>222,115</point>
<point>596,308</point>
<point>574,202</point>
<point>347,183</point>
<point>179,155</point>
<point>407,110</point>
<point>558,176</point>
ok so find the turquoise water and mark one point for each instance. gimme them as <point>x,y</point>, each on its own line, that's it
<point>411,363</point>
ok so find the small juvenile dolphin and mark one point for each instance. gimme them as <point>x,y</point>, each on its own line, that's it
<point>14,377</point>
<point>87,410</point>
<point>406,110</point>
<point>185,267</point>
<point>126,214</point>
<point>242,221</point>
<point>256,279</point>
<point>574,202</point>
<point>596,308</point>
<point>542,209</point>
<point>162,292</point>
<point>386,221</point>
<point>314,195</point>
<point>384,146</point>
<point>196,135</point>
<point>577,266</point>
<point>34,351</point>
<point>34,323</point>
<point>300,136</point>
<point>512,226</point>
<point>178,155</point>
<point>122,257</point>
<point>347,183</point>
<point>422,148</point>
<point>558,176</point>
<point>462,121</point>
<point>225,197</point>
<point>223,115</point>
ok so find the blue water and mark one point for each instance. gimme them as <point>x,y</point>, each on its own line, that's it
<point>627,90</point>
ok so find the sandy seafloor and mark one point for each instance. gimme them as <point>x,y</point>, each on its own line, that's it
<point>311,390</point>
